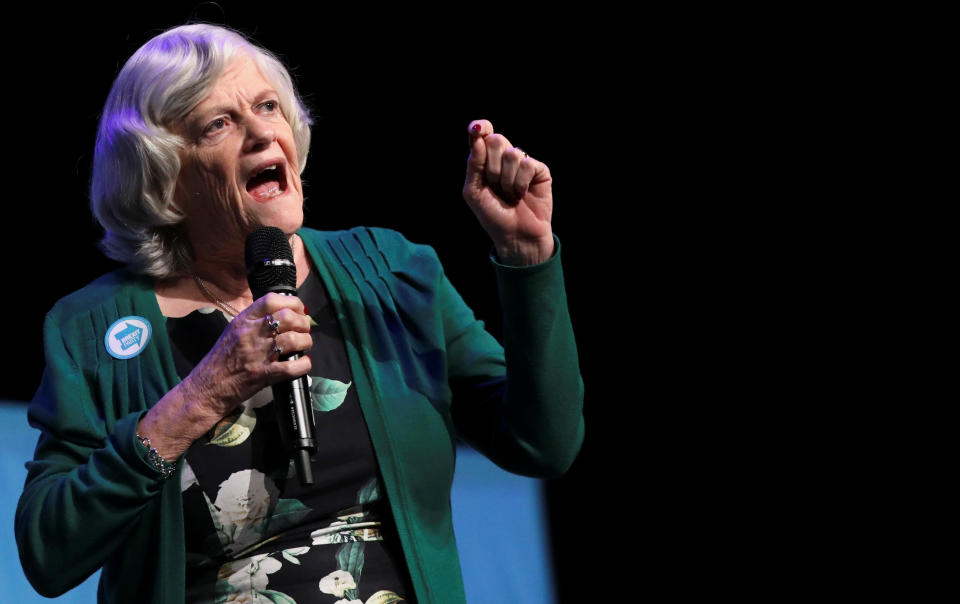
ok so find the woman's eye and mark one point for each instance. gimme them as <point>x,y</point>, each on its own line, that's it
<point>217,124</point>
<point>270,106</point>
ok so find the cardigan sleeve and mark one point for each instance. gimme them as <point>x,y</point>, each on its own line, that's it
<point>522,405</point>
<point>89,478</point>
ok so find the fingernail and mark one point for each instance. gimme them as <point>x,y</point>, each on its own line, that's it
<point>305,311</point>
<point>476,128</point>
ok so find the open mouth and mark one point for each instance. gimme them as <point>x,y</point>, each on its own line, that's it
<point>268,181</point>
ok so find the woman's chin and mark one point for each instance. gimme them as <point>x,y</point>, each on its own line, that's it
<point>288,217</point>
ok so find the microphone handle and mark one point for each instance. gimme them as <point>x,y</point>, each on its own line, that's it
<point>296,421</point>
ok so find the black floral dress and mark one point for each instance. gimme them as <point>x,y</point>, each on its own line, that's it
<point>253,533</point>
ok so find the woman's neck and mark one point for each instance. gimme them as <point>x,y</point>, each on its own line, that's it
<point>225,282</point>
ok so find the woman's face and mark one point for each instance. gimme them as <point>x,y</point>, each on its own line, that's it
<point>239,167</point>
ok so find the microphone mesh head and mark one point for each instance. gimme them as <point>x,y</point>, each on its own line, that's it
<point>269,243</point>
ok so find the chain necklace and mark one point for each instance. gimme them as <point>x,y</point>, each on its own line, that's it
<point>233,312</point>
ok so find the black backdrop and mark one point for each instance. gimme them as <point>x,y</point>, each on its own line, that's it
<point>392,99</point>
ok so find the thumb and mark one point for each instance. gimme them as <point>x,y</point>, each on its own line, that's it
<point>477,161</point>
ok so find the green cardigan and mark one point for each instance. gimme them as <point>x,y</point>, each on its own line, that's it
<point>426,372</point>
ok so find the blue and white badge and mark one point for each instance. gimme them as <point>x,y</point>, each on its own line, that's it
<point>127,337</point>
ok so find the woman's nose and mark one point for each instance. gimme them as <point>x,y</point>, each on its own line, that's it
<point>259,134</point>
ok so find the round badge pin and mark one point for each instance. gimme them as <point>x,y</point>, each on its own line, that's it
<point>127,337</point>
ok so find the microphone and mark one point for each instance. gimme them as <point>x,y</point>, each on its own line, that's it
<point>270,268</point>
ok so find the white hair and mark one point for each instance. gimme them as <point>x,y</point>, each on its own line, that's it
<point>136,162</point>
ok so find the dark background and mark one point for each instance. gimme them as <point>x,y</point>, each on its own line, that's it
<point>392,98</point>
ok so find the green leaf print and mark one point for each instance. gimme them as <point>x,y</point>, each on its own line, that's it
<point>287,513</point>
<point>327,394</point>
<point>277,597</point>
<point>295,551</point>
<point>384,596</point>
<point>350,558</point>
<point>235,428</point>
<point>223,589</point>
<point>369,492</point>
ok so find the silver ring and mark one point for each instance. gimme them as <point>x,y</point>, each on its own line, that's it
<point>277,350</point>
<point>522,151</point>
<point>273,324</point>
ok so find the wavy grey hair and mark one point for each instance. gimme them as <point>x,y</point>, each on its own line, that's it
<point>135,164</point>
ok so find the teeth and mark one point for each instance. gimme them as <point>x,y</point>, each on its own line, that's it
<point>273,167</point>
<point>270,194</point>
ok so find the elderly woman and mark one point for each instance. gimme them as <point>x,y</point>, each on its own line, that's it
<point>159,459</point>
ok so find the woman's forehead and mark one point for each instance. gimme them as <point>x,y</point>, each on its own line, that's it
<point>241,80</point>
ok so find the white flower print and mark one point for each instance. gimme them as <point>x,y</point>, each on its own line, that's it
<point>292,553</point>
<point>251,574</point>
<point>243,504</point>
<point>187,477</point>
<point>337,582</point>
<point>356,516</point>
<point>247,597</point>
<point>348,602</point>
<point>259,399</point>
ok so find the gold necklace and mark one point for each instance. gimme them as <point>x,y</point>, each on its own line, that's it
<point>233,312</point>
